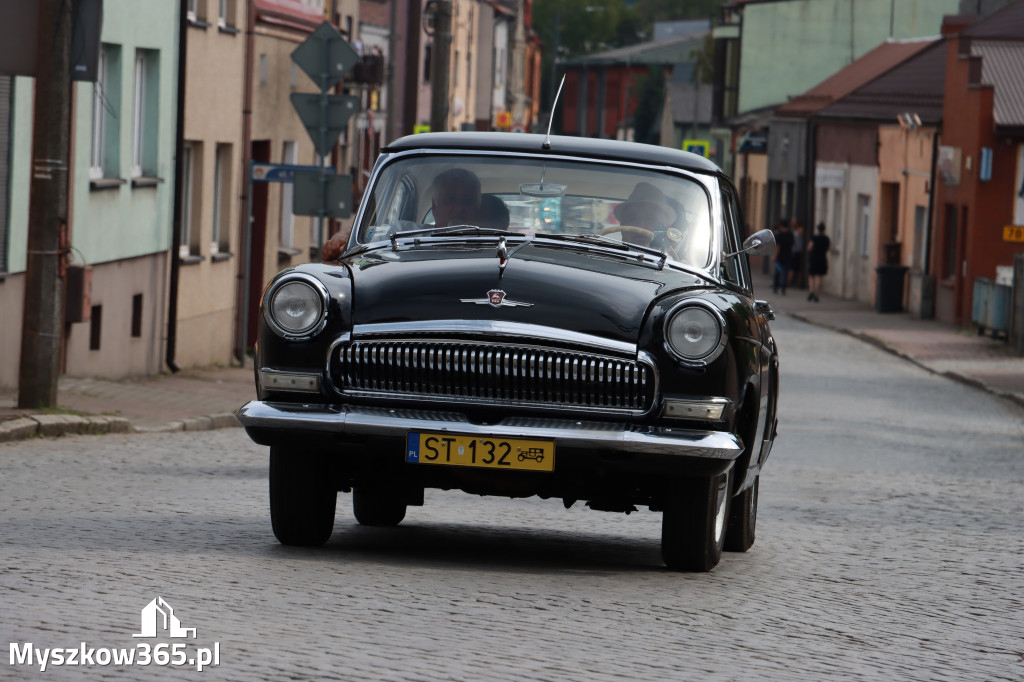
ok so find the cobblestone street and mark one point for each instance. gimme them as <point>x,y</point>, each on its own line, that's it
<point>889,546</point>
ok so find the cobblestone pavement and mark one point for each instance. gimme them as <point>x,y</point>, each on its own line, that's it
<point>890,545</point>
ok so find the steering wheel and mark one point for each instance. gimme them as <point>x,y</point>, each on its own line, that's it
<point>629,229</point>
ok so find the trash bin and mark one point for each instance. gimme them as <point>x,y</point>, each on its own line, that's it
<point>889,288</point>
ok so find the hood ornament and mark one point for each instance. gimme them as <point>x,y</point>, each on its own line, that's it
<point>496,299</point>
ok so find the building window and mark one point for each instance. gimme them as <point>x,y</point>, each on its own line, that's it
<point>95,327</point>
<point>144,114</point>
<point>137,316</point>
<point>196,11</point>
<point>455,70</point>
<point>226,13</point>
<point>106,98</point>
<point>263,69</point>
<point>864,223</point>
<point>220,242</point>
<point>426,64</point>
<point>290,156</point>
<point>191,198</point>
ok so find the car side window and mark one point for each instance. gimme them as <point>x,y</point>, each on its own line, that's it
<point>403,202</point>
<point>735,269</point>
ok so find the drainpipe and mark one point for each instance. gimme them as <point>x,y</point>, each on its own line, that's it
<point>931,204</point>
<point>179,172</point>
<point>245,233</point>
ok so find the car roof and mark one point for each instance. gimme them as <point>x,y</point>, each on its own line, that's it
<point>560,144</point>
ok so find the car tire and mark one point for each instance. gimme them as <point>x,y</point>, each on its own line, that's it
<point>302,498</point>
<point>375,507</point>
<point>739,536</point>
<point>693,523</point>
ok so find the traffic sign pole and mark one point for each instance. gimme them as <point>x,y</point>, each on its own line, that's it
<point>324,56</point>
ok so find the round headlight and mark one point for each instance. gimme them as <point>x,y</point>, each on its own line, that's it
<point>296,307</point>
<point>694,334</point>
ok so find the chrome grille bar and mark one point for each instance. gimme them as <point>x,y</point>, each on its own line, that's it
<point>494,374</point>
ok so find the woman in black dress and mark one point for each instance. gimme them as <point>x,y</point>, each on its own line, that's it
<point>817,262</point>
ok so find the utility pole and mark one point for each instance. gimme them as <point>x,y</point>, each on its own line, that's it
<point>440,67</point>
<point>391,124</point>
<point>42,322</point>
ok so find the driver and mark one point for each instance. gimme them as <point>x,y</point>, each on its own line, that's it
<point>455,200</point>
<point>648,209</point>
<point>455,197</point>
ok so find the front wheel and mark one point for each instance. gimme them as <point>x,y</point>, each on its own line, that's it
<point>739,536</point>
<point>302,497</point>
<point>693,523</point>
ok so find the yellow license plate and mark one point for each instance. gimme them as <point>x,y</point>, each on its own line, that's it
<point>484,452</point>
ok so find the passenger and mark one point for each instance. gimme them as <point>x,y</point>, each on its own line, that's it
<point>455,200</point>
<point>493,213</point>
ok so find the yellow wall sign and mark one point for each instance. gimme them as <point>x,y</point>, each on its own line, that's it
<point>421,128</point>
<point>503,119</point>
<point>1013,233</point>
<point>701,147</point>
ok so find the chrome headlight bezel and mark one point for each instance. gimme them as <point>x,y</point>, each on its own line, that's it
<point>320,319</point>
<point>677,347</point>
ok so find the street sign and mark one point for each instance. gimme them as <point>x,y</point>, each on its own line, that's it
<point>325,56</point>
<point>697,146</point>
<point>327,195</point>
<point>280,172</point>
<point>324,121</point>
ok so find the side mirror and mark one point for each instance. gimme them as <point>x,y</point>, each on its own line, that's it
<point>761,243</point>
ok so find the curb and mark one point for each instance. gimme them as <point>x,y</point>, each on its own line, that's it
<point>55,425</point>
<point>965,379</point>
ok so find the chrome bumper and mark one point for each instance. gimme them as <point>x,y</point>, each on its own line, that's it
<point>567,433</point>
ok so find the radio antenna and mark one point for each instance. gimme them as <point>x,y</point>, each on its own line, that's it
<point>554,105</point>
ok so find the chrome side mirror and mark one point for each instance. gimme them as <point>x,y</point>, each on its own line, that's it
<point>761,243</point>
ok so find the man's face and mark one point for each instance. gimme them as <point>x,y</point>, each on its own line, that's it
<point>455,203</point>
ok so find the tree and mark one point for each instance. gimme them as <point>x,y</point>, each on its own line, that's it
<point>570,28</point>
<point>650,94</point>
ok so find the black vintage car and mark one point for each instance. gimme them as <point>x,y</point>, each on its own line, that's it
<point>524,315</point>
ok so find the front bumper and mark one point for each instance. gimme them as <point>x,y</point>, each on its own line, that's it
<point>266,422</point>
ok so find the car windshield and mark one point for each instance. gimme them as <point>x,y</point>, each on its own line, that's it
<point>538,197</point>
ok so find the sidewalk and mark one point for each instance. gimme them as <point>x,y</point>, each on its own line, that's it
<point>199,399</point>
<point>191,400</point>
<point>960,354</point>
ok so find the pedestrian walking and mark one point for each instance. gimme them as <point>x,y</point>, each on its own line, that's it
<point>796,265</point>
<point>817,264</point>
<point>783,257</point>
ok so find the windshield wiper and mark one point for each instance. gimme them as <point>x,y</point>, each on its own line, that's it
<point>453,230</point>
<point>607,242</point>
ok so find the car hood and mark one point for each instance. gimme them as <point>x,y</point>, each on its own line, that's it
<point>576,291</point>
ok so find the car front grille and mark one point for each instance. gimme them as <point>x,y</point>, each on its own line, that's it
<point>494,374</point>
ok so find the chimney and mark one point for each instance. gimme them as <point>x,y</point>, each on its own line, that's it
<point>954,23</point>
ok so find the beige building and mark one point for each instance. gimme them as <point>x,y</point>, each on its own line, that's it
<point>208,239</point>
